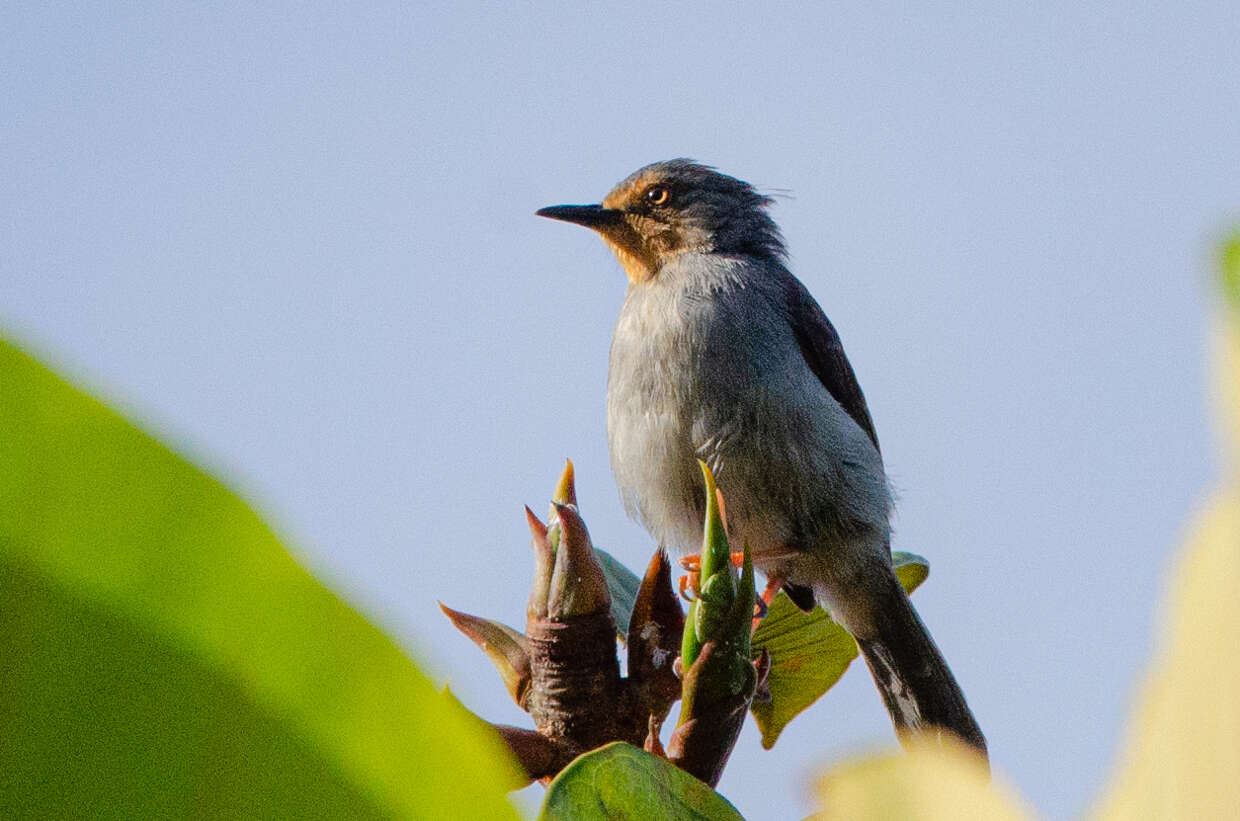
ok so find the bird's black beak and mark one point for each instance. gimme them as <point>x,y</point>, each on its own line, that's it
<point>591,216</point>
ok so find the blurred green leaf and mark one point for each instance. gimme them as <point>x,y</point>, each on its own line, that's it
<point>1231,269</point>
<point>164,656</point>
<point>623,585</point>
<point>809,652</point>
<point>619,782</point>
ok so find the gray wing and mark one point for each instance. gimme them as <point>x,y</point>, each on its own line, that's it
<point>824,353</point>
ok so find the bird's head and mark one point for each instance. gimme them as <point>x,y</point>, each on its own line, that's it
<point>673,207</point>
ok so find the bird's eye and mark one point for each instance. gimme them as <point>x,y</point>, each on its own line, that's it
<point>658,195</point>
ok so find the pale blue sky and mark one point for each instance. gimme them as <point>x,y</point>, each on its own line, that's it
<point>299,242</point>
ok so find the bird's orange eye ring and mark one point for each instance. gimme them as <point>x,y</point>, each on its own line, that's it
<point>658,195</point>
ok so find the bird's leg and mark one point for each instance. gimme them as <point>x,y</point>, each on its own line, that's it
<point>763,603</point>
<point>773,585</point>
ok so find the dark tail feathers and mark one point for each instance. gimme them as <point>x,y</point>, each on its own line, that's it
<point>916,684</point>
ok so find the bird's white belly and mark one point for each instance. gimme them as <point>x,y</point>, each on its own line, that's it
<point>650,435</point>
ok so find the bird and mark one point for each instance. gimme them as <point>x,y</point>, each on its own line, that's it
<point>720,354</point>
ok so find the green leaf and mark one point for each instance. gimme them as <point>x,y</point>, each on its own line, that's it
<point>164,656</point>
<point>911,569</point>
<point>623,585</point>
<point>620,782</point>
<point>809,652</point>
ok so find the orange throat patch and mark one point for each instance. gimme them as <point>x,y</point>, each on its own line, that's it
<point>638,265</point>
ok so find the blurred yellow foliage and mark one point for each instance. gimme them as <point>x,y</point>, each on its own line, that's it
<point>1228,348</point>
<point>929,782</point>
<point>1182,757</point>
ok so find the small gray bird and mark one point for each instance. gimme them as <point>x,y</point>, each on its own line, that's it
<point>721,354</point>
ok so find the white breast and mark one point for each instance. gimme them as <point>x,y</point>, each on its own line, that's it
<point>704,365</point>
<point>649,414</point>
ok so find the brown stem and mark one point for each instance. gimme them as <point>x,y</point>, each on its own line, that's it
<point>565,673</point>
<point>575,679</point>
<point>539,756</point>
<point>712,715</point>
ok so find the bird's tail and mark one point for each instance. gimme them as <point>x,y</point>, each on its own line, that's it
<point>916,684</point>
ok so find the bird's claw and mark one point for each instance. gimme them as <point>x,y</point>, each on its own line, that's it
<point>693,561</point>
<point>691,583</point>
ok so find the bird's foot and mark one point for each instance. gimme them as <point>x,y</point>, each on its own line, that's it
<point>691,582</point>
<point>693,561</point>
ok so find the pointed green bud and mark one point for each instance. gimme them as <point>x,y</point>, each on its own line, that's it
<point>505,647</point>
<point>655,628</point>
<point>565,494</point>
<point>717,581</point>
<point>716,555</point>
<point>566,488</point>
<point>578,586</point>
<point>739,625</point>
<point>544,564</point>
